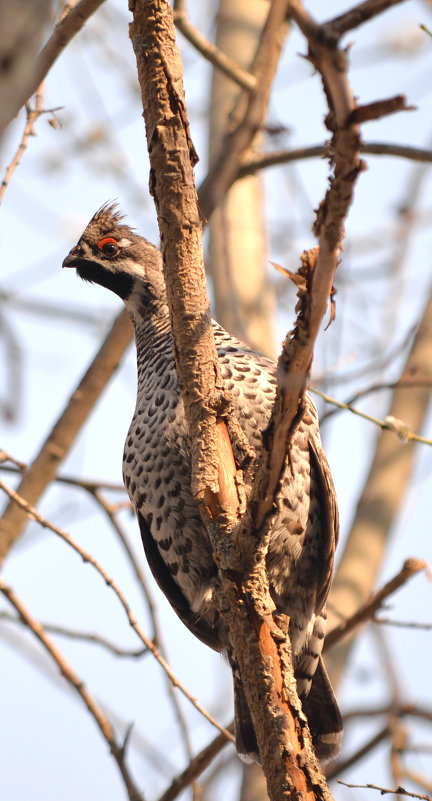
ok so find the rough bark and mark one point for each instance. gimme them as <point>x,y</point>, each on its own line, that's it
<point>260,649</point>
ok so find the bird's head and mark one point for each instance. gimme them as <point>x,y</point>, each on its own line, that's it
<point>111,254</point>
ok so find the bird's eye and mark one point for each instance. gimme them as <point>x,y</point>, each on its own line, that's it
<point>109,246</point>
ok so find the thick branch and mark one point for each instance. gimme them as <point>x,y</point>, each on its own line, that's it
<point>172,159</point>
<point>259,648</point>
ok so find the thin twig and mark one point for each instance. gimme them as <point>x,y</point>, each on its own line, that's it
<point>96,712</point>
<point>33,114</point>
<point>31,512</point>
<point>69,25</point>
<point>402,624</point>
<point>156,639</point>
<point>389,424</point>
<point>224,169</point>
<point>84,636</point>
<point>385,790</point>
<point>363,12</point>
<point>402,383</point>
<point>367,610</point>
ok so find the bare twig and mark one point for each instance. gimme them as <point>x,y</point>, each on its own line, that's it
<point>32,116</point>
<point>385,790</point>
<point>367,610</point>
<point>380,108</point>
<point>74,680</point>
<point>142,583</point>
<point>31,512</point>
<point>397,710</point>
<point>381,497</point>
<point>389,424</point>
<point>19,467</point>
<point>402,624</point>
<point>402,383</point>
<point>84,636</point>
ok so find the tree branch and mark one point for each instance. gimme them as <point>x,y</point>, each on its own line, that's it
<point>102,721</point>
<point>260,649</point>
<point>367,610</point>
<point>43,469</point>
<point>251,165</point>
<point>31,512</point>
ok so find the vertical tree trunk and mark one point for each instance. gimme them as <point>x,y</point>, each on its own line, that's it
<point>244,302</point>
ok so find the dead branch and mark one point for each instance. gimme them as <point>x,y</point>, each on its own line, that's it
<point>402,383</point>
<point>32,116</point>
<point>257,644</point>
<point>43,469</point>
<point>367,610</point>
<point>23,25</point>
<point>397,710</point>
<point>31,512</point>
<point>380,108</point>
<point>402,624</point>
<point>76,682</point>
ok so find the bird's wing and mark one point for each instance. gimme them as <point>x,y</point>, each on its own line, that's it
<point>172,591</point>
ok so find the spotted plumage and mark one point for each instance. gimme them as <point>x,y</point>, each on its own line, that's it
<point>157,475</point>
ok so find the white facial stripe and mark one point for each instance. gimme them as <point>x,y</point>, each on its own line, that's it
<point>124,243</point>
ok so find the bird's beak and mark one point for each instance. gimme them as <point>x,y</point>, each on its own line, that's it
<point>70,261</point>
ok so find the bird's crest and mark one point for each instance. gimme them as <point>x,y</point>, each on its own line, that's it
<point>108,214</point>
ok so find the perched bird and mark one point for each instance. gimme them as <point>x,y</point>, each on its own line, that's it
<point>157,475</point>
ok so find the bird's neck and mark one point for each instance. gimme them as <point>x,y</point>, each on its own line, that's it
<point>153,338</point>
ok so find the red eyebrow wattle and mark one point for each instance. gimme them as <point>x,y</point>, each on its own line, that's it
<point>106,240</point>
